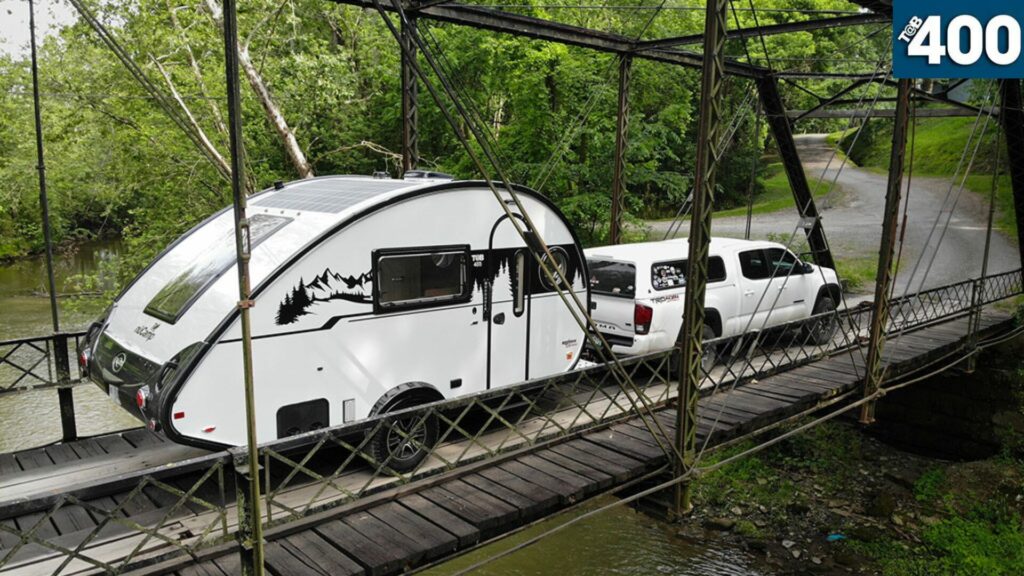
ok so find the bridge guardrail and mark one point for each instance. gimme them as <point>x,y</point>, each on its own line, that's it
<point>190,505</point>
<point>34,363</point>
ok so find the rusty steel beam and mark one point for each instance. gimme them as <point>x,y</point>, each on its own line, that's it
<point>691,334</point>
<point>782,130</point>
<point>878,113</point>
<point>1012,117</point>
<point>410,101</point>
<point>886,250</point>
<point>540,29</point>
<point>621,136</point>
<point>770,30</point>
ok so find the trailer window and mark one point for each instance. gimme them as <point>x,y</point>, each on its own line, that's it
<point>208,265</point>
<point>613,278</point>
<point>519,277</point>
<point>421,278</point>
<point>666,275</point>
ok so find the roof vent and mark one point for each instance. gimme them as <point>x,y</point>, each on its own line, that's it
<point>417,174</point>
<point>382,175</point>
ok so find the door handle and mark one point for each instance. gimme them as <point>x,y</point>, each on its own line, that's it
<point>499,318</point>
<point>748,293</point>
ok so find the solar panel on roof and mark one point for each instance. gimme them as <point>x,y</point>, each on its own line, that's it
<point>331,196</point>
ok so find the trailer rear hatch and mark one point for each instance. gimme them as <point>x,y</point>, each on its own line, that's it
<point>613,289</point>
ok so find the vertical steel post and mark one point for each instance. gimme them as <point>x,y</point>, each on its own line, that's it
<point>778,122</point>
<point>978,289</point>
<point>753,170</point>
<point>60,343</point>
<point>410,100</point>
<point>251,536</point>
<point>1011,113</point>
<point>886,250</point>
<point>621,137</point>
<point>691,334</point>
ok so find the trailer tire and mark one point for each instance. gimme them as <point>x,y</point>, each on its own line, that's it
<point>821,330</point>
<point>403,444</point>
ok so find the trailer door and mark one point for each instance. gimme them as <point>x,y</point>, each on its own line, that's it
<point>507,307</point>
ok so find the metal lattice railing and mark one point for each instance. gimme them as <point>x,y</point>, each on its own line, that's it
<point>156,513</point>
<point>181,508</point>
<point>32,363</point>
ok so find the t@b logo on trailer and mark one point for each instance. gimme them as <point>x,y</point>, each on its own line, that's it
<point>371,295</point>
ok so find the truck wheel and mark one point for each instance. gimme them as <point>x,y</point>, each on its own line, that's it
<point>708,359</point>
<point>821,330</point>
<point>407,441</point>
<point>710,356</point>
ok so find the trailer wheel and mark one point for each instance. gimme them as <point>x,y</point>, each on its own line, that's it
<point>407,441</point>
<point>821,330</point>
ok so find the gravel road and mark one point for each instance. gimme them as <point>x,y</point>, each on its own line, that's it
<point>852,217</point>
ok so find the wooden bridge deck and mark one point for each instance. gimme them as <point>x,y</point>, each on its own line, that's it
<point>433,518</point>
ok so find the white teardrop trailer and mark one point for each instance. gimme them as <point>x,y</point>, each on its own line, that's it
<point>370,295</point>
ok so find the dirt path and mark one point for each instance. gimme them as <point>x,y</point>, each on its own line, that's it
<point>853,222</point>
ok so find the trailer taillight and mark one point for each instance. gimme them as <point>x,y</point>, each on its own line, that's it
<point>642,316</point>
<point>140,398</point>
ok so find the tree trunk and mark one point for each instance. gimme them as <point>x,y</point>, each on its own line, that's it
<point>270,107</point>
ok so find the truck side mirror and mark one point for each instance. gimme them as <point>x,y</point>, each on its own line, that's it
<point>807,268</point>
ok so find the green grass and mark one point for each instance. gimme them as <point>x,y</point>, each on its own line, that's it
<point>857,273</point>
<point>777,194</point>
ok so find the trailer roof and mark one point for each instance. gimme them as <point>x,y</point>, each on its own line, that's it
<point>332,194</point>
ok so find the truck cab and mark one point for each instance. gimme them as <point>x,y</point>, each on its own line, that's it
<point>637,291</point>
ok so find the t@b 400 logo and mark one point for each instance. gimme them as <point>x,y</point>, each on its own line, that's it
<point>956,39</point>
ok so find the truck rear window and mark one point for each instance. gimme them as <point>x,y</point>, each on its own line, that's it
<point>665,275</point>
<point>613,278</point>
<point>177,295</point>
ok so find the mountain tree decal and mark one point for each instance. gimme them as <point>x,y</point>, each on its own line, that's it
<point>324,287</point>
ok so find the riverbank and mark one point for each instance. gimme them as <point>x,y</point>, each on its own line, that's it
<point>838,500</point>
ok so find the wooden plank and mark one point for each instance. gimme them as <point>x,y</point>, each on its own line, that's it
<point>378,532</point>
<point>530,508</point>
<point>32,459</point>
<point>466,533</point>
<point>62,454</point>
<point>374,557</point>
<point>621,468</point>
<point>486,512</point>
<point>533,461</point>
<point>115,444</point>
<point>87,447</point>
<point>141,437</point>
<point>8,464</point>
<point>538,493</point>
<point>599,480</point>
<point>72,518</point>
<point>433,539</point>
<point>626,445</point>
<point>567,493</point>
<point>307,553</point>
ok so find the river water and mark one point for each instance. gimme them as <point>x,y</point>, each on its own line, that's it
<point>619,541</point>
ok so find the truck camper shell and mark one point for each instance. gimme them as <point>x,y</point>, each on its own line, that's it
<point>370,294</point>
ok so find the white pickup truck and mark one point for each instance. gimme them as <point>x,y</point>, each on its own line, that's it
<point>637,291</point>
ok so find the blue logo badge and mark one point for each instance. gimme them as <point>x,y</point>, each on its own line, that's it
<point>957,39</point>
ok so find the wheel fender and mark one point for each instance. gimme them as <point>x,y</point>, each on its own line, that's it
<point>714,320</point>
<point>428,392</point>
<point>831,290</point>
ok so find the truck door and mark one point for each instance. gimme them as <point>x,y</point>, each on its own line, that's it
<point>788,273</point>
<point>507,306</point>
<point>758,292</point>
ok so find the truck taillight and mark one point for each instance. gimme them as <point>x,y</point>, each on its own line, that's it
<point>642,316</point>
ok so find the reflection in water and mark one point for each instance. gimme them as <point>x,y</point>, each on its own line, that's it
<point>30,419</point>
<point>619,541</point>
